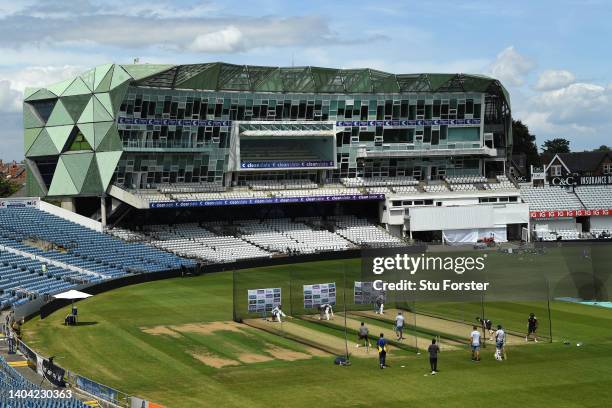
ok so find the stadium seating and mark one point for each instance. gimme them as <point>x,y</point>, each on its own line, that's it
<point>73,253</point>
<point>310,240</point>
<point>595,197</point>
<point>465,179</point>
<point>435,188</point>
<point>363,233</point>
<point>192,240</point>
<point>550,198</point>
<point>22,279</point>
<point>503,183</point>
<point>10,379</point>
<point>405,189</point>
<point>463,187</point>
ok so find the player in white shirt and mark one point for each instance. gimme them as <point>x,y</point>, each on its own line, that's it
<point>475,343</point>
<point>327,311</point>
<point>500,344</point>
<point>399,326</point>
<point>380,302</point>
<point>277,313</point>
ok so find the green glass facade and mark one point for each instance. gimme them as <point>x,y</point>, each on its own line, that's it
<point>142,126</point>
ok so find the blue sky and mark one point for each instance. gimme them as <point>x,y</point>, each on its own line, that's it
<point>553,56</point>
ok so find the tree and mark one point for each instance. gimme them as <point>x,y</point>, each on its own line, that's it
<point>524,142</point>
<point>554,146</point>
<point>602,148</point>
<point>7,187</point>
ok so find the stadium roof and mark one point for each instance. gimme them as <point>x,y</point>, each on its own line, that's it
<point>220,76</point>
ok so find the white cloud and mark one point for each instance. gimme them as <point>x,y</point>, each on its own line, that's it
<point>13,82</point>
<point>511,67</point>
<point>229,39</point>
<point>554,79</point>
<point>576,102</point>
<point>10,99</point>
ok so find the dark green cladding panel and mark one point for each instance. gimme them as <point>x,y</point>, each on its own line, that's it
<point>105,84</point>
<point>273,82</point>
<point>100,73</point>
<point>327,80</point>
<point>33,188</point>
<point>233,77</point>
<point>60,115</point>
<point>356,81</point>
<point>42,146</point>
<point>75,105</point>
<point>77,165</point>
<point>92,183</point>
<point>117,94</point>
<point>297,80</point>
<point>29,136</point>
<point>257,75</point>
<point>107,163</point>
<point>30,117</point>
<point>206,79</point>
<point>438,80</point>
<point>383,82</point>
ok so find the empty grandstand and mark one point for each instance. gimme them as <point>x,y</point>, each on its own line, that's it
<point>42,254</point>
<point>12,382</point>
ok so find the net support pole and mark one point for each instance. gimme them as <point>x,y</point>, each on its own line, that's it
<point>234,316</point>
<point>290,293</point>
<point>482,316</point>
<point>416,342</point>
<point>549,311</point>
<point>344,301</point>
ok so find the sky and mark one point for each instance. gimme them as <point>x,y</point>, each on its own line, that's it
<point>553,56</point>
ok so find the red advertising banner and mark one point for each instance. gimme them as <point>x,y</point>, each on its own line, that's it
<point>570,213</point>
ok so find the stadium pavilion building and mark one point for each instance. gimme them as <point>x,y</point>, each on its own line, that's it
<point>215,134</point>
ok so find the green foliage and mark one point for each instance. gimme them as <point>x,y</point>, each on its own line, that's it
<point>524,142</point>
<point>602,148</point>
<point>554,146</point>
<point>7,187</point>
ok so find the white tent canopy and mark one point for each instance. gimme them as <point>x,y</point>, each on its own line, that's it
<point>72,294</point>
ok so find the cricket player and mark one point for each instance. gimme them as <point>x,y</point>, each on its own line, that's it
<point>380,303</point>
<point>433,351</point>
<point>399,326</point>
<point>500,344</point>
<point>382,351</point>
<point>532,328</point>
<point>362,334</point>
<point>475,343</point>
<point>487,326</point>
<point>326,311</point>
<point>277,313</point>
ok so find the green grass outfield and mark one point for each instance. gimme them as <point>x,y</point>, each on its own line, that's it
<point>115,351</point>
